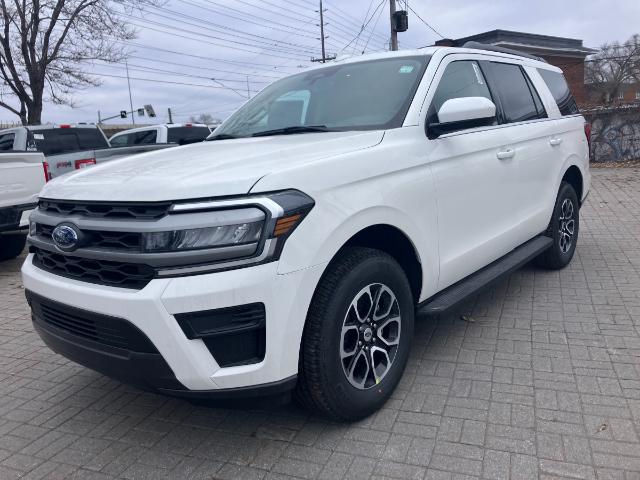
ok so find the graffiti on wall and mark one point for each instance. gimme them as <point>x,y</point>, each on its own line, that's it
<point>615,135</point>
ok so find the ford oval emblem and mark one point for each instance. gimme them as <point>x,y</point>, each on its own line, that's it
<point>65,237</point>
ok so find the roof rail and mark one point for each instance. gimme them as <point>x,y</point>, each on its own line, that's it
<point>494,48</point>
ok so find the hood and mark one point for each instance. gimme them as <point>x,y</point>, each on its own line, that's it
<point>207,169</point>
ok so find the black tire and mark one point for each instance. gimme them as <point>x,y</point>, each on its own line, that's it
<point>11,245</point>
<point>322,385</point>
<point>558,256</point>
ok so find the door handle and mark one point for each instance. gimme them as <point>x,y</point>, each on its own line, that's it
<point>555,141</point>
<point>506,153</point>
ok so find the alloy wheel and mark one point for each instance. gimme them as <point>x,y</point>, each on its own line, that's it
<point>370,336</point>
<point>566,225</point>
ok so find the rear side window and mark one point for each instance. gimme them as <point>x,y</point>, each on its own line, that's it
<point>6,142</point>
<point>462,78</point>
<point>184,135</point>
<point>144,138</point>
<point>119,141</point>
<point>560,90</point>
<point>519,100</point>
<point>55,141</point>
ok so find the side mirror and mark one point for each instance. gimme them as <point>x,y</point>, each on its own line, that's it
<point>462,113</point>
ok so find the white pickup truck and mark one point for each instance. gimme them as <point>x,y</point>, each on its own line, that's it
<point>67,147</point>
<point>22,176</point>
<point>178,133</point>
<point>292,249</point>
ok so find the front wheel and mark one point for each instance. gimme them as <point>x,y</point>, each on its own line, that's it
<point>357,336</point>
<point>563,230</point>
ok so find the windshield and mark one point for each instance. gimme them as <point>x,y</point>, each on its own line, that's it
<point>368,95</point>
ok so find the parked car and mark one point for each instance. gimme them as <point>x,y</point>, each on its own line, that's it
<point>22,175</point>
<point>293,249</point>
<point>180,133</point>
<point>66,147</point>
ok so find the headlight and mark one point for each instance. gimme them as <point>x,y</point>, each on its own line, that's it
<point>197,238</point>
<point>242,232</point>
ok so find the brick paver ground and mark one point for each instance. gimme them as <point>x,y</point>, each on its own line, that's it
<point>542,381</point>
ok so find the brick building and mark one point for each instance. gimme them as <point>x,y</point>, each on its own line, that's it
<point>566,53</point>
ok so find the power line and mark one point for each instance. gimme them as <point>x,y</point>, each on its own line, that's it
<point>364,25</point>
<point>163,81</point>
<point>201,57</point>
<point>173,33</point>
<point>425,22</point>
<point>211,26</point>
<point>226,9</point>
<point>155,60</point>
<point>142,68</point>
<point>374,26</point>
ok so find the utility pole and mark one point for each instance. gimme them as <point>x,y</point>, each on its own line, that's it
<point>248,91</point>
<point>324,57</point>
<point>133,117</point>
<point>99,118</point>
<point>322,32</point>
<point>394,33</point>
<point>170,116</point>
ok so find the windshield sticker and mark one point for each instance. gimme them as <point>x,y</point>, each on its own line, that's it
<point>406,69</point>
<point>476,69</point>
<point>38,136</point>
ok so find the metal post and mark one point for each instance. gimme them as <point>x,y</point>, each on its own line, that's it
<point>170,116</point>
<point>394,34</point>
<point>133,117</point>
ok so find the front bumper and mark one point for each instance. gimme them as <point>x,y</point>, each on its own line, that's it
<point>184,366</point>
<point>15,218</point>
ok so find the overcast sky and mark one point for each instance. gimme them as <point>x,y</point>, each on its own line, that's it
<point>209,48</point>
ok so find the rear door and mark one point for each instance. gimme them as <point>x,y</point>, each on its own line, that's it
<point>531,136</point>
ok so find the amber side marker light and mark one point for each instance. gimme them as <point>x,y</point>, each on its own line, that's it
<point>286,224</point>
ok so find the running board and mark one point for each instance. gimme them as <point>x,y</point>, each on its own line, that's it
<point>476,282</point>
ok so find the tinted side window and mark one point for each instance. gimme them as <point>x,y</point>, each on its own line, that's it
<point>6,141</point>
<point>185,135</point>
<point>516,97</point>
<point>119,141</point>
<point>462,78</point>
<point>90,138</point>
<point>145,138</point>
<point>560,91</point>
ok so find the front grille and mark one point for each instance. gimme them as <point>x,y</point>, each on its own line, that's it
<point>103,329</point>
<point>130,241</point>
<point>140,211</point>
<point>103,272</point>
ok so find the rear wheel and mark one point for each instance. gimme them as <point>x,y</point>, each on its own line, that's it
<point>563,229</point>
<point>11,245</point>
<point>357,336</point>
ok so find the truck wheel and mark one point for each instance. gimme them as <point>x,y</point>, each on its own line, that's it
<point>563,229</point>
<point>11,245</point>
<point>357,336</point>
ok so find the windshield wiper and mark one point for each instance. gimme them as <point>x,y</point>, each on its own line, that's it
<point>294,129</point>
<point>222,136</point>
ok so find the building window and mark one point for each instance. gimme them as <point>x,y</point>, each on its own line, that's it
<point>620,95</point>
<point>638,95</point>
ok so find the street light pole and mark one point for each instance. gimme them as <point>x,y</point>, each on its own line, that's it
<point>133,116</point>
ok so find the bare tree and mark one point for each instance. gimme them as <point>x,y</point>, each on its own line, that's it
<point>608,71</point>
<point>205,118</point>
<point>47,46</point>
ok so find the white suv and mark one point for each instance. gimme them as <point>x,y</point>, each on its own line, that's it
<point>292,250</point>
